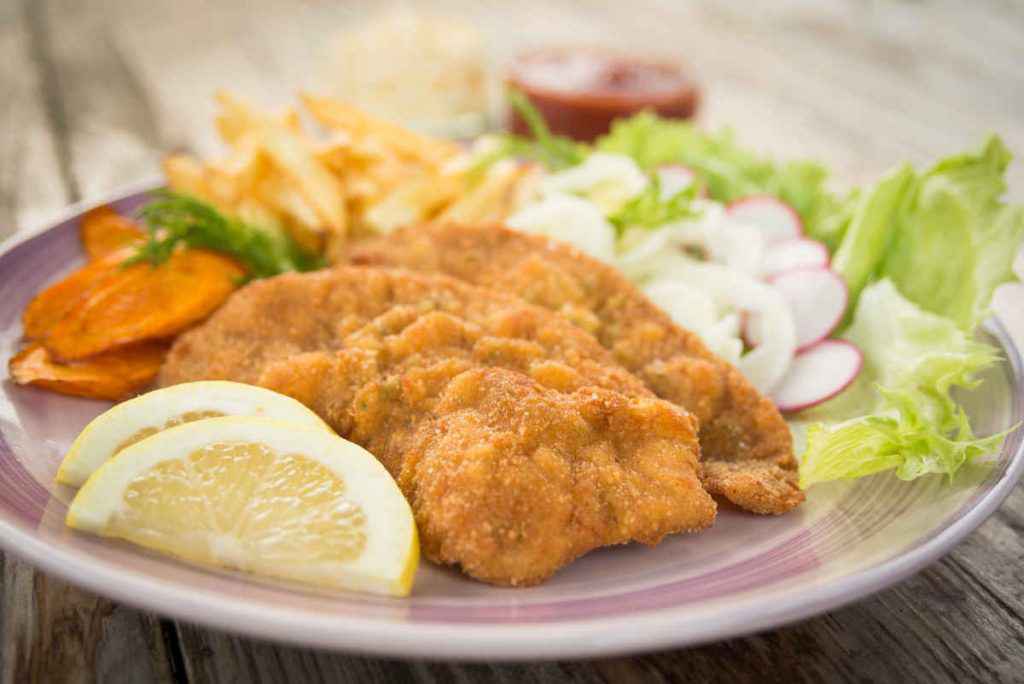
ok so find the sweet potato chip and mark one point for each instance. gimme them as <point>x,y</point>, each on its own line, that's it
<point>55,302</point>
<point>145,302</point>
<point>103,231</point>
<point>114,376</point>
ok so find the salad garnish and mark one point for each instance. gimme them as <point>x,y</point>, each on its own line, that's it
<point>653,207</point>
<point>174,219</point>
<point>920,254</point>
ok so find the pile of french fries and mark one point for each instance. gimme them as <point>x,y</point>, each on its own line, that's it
<point>359,176</point>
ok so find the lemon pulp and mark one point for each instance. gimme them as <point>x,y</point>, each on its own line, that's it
<point>187,417</point>
<point>248,507</point>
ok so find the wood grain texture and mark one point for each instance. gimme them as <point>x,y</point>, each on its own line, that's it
<point>95,91</point>
<point>51,631</point>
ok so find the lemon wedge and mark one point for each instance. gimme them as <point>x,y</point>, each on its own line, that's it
<point>261,496</point>
<point>145,415</point>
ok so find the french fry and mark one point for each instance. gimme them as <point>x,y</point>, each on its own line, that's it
<point>413,201</point>
<point>338,116</point>
<point>494,198</point>
<point>102,231</point>
<point>240,125</point>
<point>309,177</point>
<point>291,210</point>
<point>115,375</point>
<point>185,173</point>
<point>144,302</point>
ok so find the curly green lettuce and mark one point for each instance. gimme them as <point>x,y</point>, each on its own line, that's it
<point>913,360</point>
<point>945,238</point>
<point>730,171</point>
<point>651,209</point>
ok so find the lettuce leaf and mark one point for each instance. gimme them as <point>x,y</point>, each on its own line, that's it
<point>944,238</point>
<point>651,209</point>
<point>867,239</point>
<point>955,241</point>
<point>729,171</point>
<point>913,359</point>
<point>906,444</point>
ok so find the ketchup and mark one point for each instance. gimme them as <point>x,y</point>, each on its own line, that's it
<point>580,92</point>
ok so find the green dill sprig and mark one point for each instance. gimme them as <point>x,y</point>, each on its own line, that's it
<point>650,209</point>
<point>173,219</point>
<point>553,151</point>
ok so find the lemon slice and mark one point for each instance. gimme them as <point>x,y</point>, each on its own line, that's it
<point>138,418</point>
<point>261,496</point>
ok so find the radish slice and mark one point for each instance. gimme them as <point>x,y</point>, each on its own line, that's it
<point>776,218</point>
<point>817,298</point>
<point>674,178</point>
<point>789,254</point>
<point>818,374</point>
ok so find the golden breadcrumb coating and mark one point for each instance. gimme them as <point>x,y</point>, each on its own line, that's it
<point>517,439</point>
<point>512,481</point>
<point>738,425</point>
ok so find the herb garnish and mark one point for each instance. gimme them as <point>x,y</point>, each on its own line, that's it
<point>174,218</point>
<point>650,209</point>
<point>553,151</point>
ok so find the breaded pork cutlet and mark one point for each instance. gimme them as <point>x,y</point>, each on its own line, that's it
<point>518,442</point>
<point>746,446</point>
<point>278,318</point>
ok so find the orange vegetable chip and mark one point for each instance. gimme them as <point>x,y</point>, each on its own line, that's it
<point>145,302</point>
<point>114,376</point>
<point>103,231</point>
<point>55,302</point>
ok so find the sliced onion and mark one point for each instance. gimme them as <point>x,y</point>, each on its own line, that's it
<point>768,363</point>
<point>608,180</point>
<point>726,241</point>
<point>570,219</point>
<point>694,310</point>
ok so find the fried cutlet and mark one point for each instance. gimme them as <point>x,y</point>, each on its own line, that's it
<point>390,372</point>
<point>518,441</point>
<point>512,481</point>
<point>745,444</point>
<point>281,317</point>
<point>509,479</point>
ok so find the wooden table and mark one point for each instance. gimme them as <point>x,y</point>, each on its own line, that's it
<point>93,92</point>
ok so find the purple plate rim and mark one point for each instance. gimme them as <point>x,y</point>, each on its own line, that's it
<point>677,626</point>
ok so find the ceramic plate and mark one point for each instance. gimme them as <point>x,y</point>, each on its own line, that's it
<point>748,573</point>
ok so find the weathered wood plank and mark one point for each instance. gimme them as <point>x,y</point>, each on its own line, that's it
<point>31,184</point>
<point>54,632</point>
<point>958,620</point>
<point>105,112</point>
<point>49,630</point>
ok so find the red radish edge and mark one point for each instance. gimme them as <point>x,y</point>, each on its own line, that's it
<point>781,244</point>
<point>838,316</point>
<point>771,199</point>
<point>831,392</point>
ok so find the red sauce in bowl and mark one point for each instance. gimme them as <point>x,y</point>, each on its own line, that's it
<point>580,92</point>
